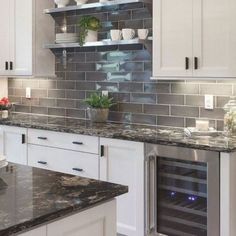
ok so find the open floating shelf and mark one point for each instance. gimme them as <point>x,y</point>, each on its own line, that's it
<point>94,5</point>
<point>99,44</point>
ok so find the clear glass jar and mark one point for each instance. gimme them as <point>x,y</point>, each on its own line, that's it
<point>230,117</point>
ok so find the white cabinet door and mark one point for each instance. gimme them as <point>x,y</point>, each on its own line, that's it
<point>214,38</point>
<point>65,161</point>
<point>24,30</point>
<point>5,35</point>
<point>172,37</point>
<point>14,144</point>
<point>96,221</point>
<point>42,231</point>
<point>21,46</point>
<point>123,163</point>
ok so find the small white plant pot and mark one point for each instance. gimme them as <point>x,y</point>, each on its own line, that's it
<point>4,114</point>
<point>61,3</point>
<point>92,36</point>
<point>80,2</point>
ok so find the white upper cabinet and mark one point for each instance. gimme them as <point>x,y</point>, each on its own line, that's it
<point>172,37</point>
<point>194,38</point>
<point>214,38</point>
<point>4,35</point>
<point>26,28</point>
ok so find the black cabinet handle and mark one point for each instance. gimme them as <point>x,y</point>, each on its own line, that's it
<point>11,65</point>
<point>102,151</point>
<point>186,63</point>
<point>23,138</point>
<point>195,63</point>
<point>43,138</point>
<point>6,65</point>
<point>78,169</point>
<point>42,162</point>
<point>78,143</point>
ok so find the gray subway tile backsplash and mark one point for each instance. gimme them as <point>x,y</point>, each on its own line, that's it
<point>185,111</point>
<point>125,72</point>
<point>170,121</point>
<point>182,88</point>
<point>217,113</point>
<point>222,89</point>
<point>194,100</point>
<point>156,109</point>
<point>170,99</point>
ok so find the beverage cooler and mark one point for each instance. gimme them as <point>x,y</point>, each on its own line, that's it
<point>181,192</point>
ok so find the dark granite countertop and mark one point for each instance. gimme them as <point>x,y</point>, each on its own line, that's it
<point>30,197</point>
<point>138,133</point>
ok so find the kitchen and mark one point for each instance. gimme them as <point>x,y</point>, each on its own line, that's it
<point>166,149</point>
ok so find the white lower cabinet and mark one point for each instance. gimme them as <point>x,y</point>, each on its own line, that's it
<point>66,161</point>
<point>123,163</point>
<point>13,144</point>
<point>96,221</point>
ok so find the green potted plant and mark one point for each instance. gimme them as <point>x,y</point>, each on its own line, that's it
<point>98,107</point>
<point>89,26</point>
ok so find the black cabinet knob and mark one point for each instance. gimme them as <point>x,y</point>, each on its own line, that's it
<point>195,63</point>
<point>23,138</point>
<point>42,162</point>
<point>11,65</point>
<point>42,138</point>
<point>77,143</point>
<point>78,169</point>
<point>6,65</point>
<point>186,63</point>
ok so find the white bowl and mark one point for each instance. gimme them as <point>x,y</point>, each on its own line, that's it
<point>81,2</point>
<point>61,3</point>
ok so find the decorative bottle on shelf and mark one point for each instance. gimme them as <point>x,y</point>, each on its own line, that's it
<point>230,117</point>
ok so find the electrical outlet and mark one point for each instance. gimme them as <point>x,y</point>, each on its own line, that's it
<point>209,102</point>
<point>104,93</point>
<point>28,92</point>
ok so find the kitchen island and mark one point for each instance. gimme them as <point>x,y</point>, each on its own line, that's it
<point>47,203</point>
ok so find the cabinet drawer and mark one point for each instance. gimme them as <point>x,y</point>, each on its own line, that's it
<point>74,142</point>
<point>66,161</point>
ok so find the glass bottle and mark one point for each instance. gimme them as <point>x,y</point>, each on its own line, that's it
<point>230,117</point>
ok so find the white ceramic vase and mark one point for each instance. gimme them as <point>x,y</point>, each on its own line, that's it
<point>61,3</point>
<point>81,2</point>
<point>4,114</point>
<point>92,36</point>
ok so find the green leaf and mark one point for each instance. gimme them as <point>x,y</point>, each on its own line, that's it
<point>99,101</point>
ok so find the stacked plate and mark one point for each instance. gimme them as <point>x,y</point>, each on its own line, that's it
<point>66,38</point>
<point>3,161</point>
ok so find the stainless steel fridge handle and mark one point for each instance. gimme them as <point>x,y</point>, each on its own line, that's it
<point>147,196</point>
<point>150,188</point>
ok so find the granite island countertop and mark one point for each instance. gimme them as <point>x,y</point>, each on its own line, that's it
<point>30,197</point>
<point>137,133</point>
